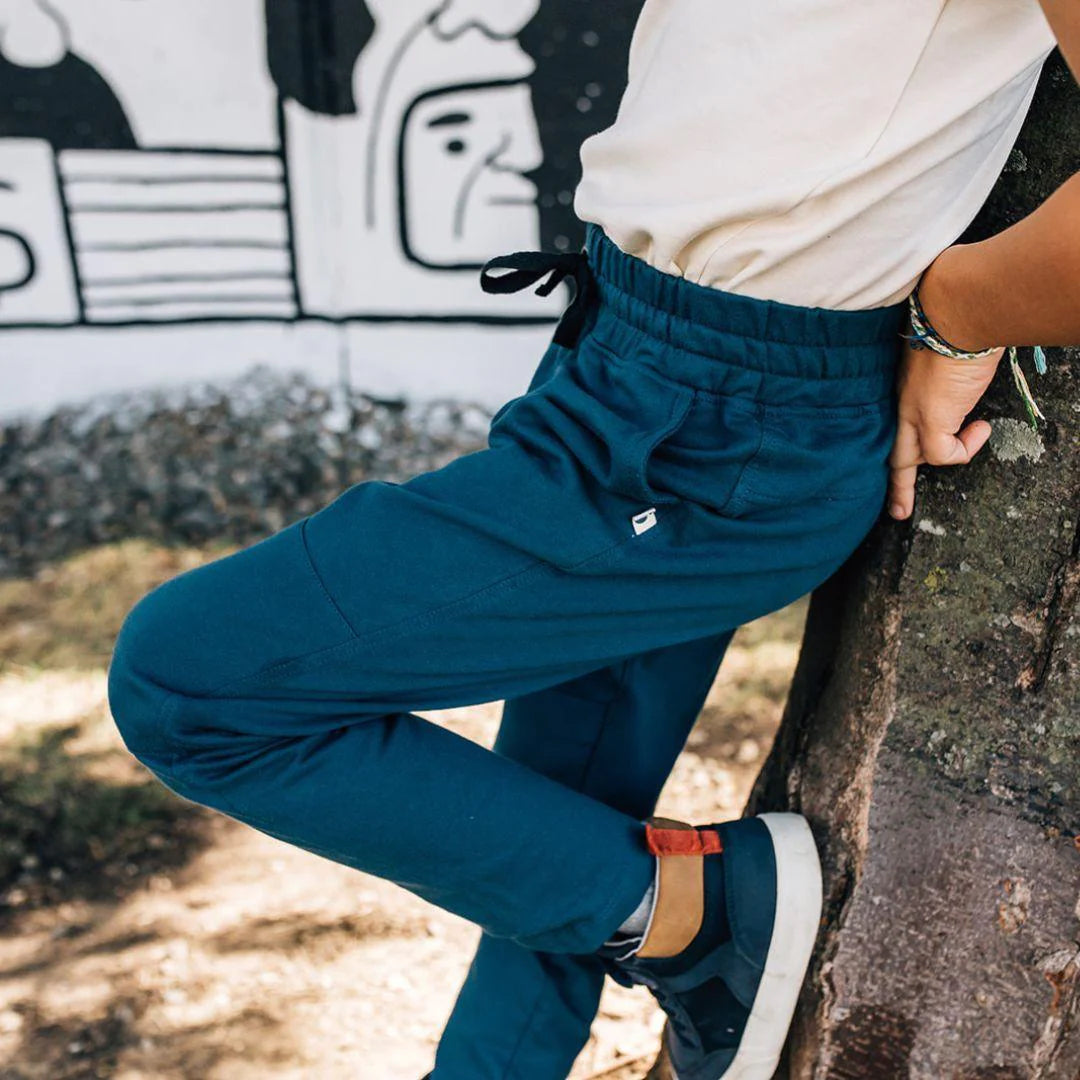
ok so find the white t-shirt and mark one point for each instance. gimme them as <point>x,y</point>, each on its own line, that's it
<point>816,152</point>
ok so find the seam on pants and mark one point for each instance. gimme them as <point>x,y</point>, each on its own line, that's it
<point>620,679</point>
<point>318,577</point>
<point>748,462</point>
<point>163,712</point>
<point>534,1011</point>
<point>582,781</point>
<point>321,657</point>
<point>325,656</point>
<point>172,772</point>
<point>217,689</point>
<point>169,701</point>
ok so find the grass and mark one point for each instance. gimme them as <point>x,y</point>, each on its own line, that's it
<point>67,615</point>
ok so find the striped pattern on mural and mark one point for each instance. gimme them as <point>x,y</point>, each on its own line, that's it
<point>165,235</point>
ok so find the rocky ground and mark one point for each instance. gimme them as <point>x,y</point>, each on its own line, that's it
<point>233,460</point>
<point>144,937</point>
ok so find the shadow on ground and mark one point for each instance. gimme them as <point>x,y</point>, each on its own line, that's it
<point>77,820</point>
<point>92,1049</point>
<point>68,834</point>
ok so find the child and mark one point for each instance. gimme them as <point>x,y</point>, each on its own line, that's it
<point>707,437</point>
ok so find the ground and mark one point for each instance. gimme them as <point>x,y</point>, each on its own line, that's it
<point>142,936</point>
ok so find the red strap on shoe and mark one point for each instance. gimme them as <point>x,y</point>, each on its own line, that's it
<point>683,841</point>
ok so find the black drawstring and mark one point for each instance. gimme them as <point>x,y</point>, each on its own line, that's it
<point>529,266</point>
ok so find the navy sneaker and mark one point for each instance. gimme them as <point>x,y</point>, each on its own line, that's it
<point>730,995</point>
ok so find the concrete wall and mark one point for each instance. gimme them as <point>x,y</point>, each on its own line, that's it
<point>188,187</point>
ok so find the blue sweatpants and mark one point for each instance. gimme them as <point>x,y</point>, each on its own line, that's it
<point>686,460</point>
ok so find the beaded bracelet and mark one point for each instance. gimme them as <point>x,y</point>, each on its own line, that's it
<point>924,336</point>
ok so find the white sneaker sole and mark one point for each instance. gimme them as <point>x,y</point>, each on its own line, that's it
<point>798,917</point>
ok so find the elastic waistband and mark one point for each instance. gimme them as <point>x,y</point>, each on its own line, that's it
<point>728,342</point>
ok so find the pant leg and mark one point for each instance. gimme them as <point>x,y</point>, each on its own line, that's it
<point>319,746</point>
<point>613,734</point>
<point>279,684</point>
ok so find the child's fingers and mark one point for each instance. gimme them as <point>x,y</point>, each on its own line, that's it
<point>944,448</point>
<point>935,448</point>
<point>974,436</point>
<point>902,491</point>
<point>905,448</point>
<point>904,460</point>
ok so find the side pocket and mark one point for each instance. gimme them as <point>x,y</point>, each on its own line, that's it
<point>652,444</point>
<point>636,412</point>
<point>825,456</point>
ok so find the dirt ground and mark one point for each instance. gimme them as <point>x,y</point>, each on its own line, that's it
<point>142,936</point>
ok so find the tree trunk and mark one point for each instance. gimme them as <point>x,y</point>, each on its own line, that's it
<point>932,737</point>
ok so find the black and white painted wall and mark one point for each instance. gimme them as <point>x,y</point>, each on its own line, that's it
<point>191,186</point>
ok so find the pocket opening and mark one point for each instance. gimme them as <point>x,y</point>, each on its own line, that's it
<point>653,441</point>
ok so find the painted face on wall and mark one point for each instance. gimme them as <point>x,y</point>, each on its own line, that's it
<point>496,18</point>
<point>462,155</point>
<point>422,48</point>
<point>499,18</point>
<point>421,165</point>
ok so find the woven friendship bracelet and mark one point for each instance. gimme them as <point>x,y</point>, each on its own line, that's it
<point>924,336</point>
<point>923,331</point>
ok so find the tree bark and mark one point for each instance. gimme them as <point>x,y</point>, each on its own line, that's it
<point>932,737</point>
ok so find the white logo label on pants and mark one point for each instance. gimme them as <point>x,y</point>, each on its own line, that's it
<point>644,521</point>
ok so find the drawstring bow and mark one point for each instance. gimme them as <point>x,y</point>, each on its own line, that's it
<point>528,267</point>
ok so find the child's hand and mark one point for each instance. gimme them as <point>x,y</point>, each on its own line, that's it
<point>935,394</point>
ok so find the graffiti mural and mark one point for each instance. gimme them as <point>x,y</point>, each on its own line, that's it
<point>165,163</point>
<point>413,138</point>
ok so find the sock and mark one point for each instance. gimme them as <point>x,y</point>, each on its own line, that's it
<point>638,922</point>
<point>629,936</point>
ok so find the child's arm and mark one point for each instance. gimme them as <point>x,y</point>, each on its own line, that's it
<point>1064,20</point>
<point>1020,287</point>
